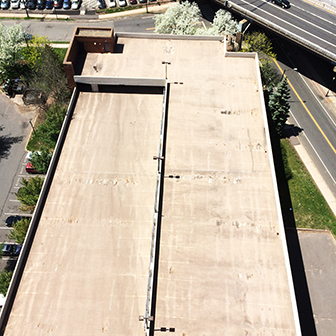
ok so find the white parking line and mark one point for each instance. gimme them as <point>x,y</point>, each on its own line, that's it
<point>14,201</point>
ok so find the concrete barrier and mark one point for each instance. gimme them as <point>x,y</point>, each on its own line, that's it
<point>135,81</point>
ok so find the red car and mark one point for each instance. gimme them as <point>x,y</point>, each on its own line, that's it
<point>30,168</point>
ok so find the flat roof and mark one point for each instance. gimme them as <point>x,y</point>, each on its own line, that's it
<point>222,262</point>
<point>88,267</point>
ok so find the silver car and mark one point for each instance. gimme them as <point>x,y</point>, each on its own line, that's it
<point>15,4</point>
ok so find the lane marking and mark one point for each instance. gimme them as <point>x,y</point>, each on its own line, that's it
<point>319,7</point>
<point>310,143</point>
<point>306,108</point>
<point>325,110</point>
<point>150,28</point>
<point>320,17</point>
<point>293,25</point>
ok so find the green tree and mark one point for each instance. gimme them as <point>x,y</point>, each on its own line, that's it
<point>5,279</point>
<point>41,160</point>
<point>49,77</point>
<point>279,106</point>
<point>261,44</point>
<point>32,53</point>
<point>269,76</point>
<point>46,134</point>
<point>11,44</point>
<point>258,42</point>
<point>29,193</point>
<point>20,229</point>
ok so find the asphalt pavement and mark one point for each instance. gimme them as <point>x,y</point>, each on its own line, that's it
<point>14,132</point>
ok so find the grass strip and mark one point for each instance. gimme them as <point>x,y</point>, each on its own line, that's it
<point>309,206</point>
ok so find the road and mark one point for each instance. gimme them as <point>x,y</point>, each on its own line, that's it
<point>310,109</point>
<point>63,31</point>
<point>302,22</point>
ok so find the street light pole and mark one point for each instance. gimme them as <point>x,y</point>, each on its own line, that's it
<point>31,124</point>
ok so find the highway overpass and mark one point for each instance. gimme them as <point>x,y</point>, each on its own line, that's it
<point>303,23</point>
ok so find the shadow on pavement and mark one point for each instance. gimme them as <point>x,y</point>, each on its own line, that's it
<point>304,306</point>
<point>6,143</point>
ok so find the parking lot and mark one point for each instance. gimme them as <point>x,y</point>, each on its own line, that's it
<point>66,6</point>
<point>14,133</point>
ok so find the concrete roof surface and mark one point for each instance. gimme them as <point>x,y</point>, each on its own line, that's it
<point>222,267</point>
<point>88,267</point>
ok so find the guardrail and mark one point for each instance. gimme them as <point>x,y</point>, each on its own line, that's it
<point>21,262</point>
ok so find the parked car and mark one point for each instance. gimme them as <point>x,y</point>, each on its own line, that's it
<point>15,4</point>
<point>49,4</point>
<point>101,4</point>
<point>11,249</point>
<point>122,3</point>
<point>58,3</point>
<point>76,4</point>
<point>282,3</point>
<point>30,169</point>
<point>66,4</point>
<point>5,4</point>
<point>111,3</point>
<point>41,4</point>
<point>142,1</point>
<point>133,2</point>
<point>22,4</point>
<point>31,4</point>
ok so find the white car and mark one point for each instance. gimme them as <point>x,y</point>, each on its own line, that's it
<point>76,4</point>
<point>22,4</point>
<point>111,3</point>
<point>122,3</point>
<point>15,4</point>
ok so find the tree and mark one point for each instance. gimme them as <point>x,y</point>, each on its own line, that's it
<point>179,19</point>
<point>32,53</point>
<point>279,106</point>
<point>20,229</point>
<point>50,77</point>
<point>47,133</point>
<point>183,19</point>
<point>11,44</point>
<point>261,44</point>
<point>258,42</point>
<point>29,193</point>
<point>224,23</point>
<point>5,279</point>
<point>269,76</point>
<point>41,160</point>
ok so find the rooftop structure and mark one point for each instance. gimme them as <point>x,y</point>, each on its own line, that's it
<point>163,203</point>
